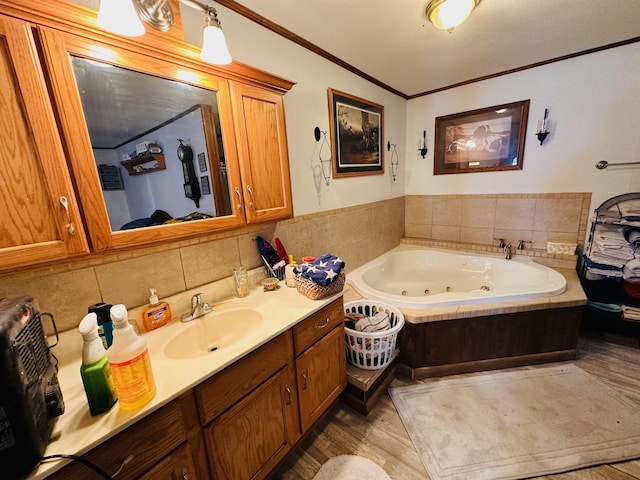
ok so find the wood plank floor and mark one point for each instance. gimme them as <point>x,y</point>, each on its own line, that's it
<point>381,437</point>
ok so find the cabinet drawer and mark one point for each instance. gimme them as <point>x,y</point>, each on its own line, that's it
<point>227,387</point>
<point>149,441</point>
<point>317,325</point>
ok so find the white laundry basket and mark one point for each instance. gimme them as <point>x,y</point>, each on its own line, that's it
<point>372,350</point>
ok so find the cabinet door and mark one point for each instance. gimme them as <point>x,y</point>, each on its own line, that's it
<point>177,466</point>
<point>262,148</point>
<point>249,439</point>
<point>40,217</point>
<point>322,375</point>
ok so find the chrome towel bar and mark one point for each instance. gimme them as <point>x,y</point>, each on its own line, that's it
<point>602,164</point>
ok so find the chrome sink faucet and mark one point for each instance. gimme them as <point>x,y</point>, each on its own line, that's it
<point>198,308</point>
<point>507,249</point>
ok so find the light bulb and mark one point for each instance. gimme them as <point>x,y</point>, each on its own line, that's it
<point>214,46</point>
<point>448,14</point>
<point>120,17</point>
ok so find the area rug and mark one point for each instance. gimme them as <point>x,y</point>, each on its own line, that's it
<point>350,467</point>
<point>518,424</point>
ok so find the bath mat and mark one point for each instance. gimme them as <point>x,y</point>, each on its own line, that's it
<point>350,467</point>
<point>518,424</point>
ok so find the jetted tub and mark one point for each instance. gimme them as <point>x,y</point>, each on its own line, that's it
<point>416,277</point>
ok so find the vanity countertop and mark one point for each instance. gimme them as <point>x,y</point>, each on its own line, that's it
<point>77,432</point>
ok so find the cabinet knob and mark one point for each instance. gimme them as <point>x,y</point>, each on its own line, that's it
<point>185,474</point>
<point>305,385</point>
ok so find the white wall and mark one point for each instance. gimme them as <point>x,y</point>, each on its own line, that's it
<point>593,103</point>
<point>307,106</point>
<point>594,108</point>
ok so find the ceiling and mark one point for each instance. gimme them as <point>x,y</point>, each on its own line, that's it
<point>395,45</point>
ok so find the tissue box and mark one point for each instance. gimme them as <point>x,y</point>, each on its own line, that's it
<point>563,248</point>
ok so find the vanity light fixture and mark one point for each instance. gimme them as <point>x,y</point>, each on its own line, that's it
<point>125,17</point>
<point>448,14</point>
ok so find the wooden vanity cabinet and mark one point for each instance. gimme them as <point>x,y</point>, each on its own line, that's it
<point>240,423</point>
<point>321,364</point>
<point>250,412</point>
<point>159,444</point>
<point>40,216</point>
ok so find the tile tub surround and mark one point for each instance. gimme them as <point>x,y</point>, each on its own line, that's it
<point>478,219</point>
<point>67,288</point>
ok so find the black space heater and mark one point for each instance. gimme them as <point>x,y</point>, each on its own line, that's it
<point>30,396</point>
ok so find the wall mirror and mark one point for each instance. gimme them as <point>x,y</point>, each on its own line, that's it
<point>136,124</point>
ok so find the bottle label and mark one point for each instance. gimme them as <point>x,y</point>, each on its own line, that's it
<point>158,315</point>
<point>134,379</point>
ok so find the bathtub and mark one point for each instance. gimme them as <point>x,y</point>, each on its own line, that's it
<point>416,277</point>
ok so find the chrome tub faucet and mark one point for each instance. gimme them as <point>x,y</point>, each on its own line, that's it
<point>507,249</point>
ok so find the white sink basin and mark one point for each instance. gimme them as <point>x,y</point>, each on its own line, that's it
<point>214,331</point>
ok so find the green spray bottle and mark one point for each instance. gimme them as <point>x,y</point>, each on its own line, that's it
<point>95,370</point>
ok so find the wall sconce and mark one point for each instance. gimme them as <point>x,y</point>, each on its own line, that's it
<point>542,127</point>
<point>448,14</point>
<point>423,151</point>
<point>324,164</point>
<point>394,160</point>
<point>124,17</point>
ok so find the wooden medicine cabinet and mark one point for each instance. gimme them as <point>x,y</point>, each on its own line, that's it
<point>106,95</point>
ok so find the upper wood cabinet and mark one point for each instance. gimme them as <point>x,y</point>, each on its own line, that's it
<point>239,146</point>
<point>262,147</point>
<point>40,218</point>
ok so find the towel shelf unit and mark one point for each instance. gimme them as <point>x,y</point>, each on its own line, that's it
<point>608,266</point>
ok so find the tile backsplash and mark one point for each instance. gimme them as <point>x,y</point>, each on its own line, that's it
<point>479,219</point>
<point>357,234</point>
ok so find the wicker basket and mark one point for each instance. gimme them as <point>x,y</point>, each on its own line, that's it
<point>372,350</point>
<point>314,291</point>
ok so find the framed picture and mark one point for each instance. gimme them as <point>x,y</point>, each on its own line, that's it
<point>483,140</point>
<point>205,186</point>
<point>202,162</point>
<point>356,135</point>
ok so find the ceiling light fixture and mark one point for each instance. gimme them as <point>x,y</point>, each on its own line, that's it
<point>448,14</point>
<point>124,18</point>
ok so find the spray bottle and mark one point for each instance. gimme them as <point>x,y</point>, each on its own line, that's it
<point>95,370</point>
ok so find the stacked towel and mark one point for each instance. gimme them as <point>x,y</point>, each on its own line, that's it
<point>322,271</point>
<point>609,249</point>
<point>631,313</point>
<point>599,271</point>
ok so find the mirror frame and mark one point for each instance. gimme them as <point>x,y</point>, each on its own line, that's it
<point>57,51</point>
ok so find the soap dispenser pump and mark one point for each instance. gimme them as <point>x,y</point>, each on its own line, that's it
<point>157,313</point>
